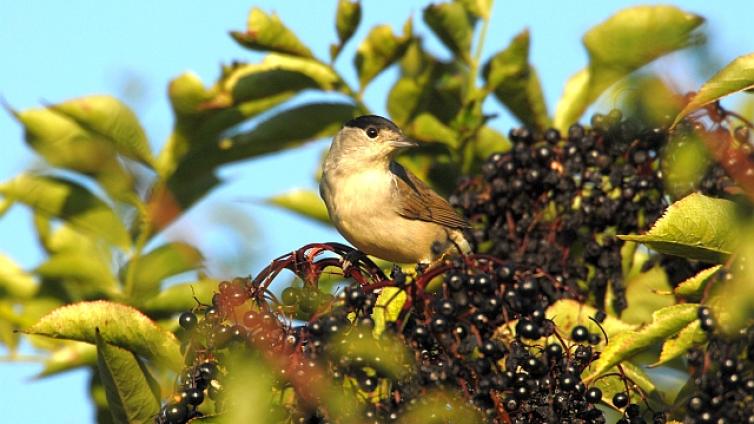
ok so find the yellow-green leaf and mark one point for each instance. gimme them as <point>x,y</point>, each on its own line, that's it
<point>265,32</point>
<point>515,82</point>
<point>181,297</point>
<point>623,43</point>
<point>573,102</point>
<point>133,396</point>
<point>15,283</point>
<point>428,128</point>
<point>302,202</point>
<point>71,202</point>
<point>453,25</point>
<point>118,324</point>
<point>94,276</point>
<point>109,118</point>
<point>347,18</point>
<point>736,76</point>
<point>693,287</point>
<point>387,308</point>
<point>70,356</point>
<point>666,322</point>
<point>568,313</point>
<point>695,227</point>
<point>148,271</point>
<point>379,50</point>
<point>691,335</point>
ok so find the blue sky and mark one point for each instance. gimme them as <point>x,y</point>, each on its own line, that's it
<point>57,50</point>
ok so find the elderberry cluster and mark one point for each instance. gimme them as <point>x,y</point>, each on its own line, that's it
<point>446,341</point>
<point>555,202</point>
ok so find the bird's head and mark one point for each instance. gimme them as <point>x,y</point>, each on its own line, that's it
<point>369,138</point>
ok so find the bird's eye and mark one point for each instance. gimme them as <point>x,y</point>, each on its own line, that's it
<point>372,132</point>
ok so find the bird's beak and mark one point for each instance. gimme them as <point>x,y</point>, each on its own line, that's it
<point>403,142</point>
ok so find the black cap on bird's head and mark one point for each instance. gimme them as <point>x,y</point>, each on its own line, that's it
<point>374,121</point>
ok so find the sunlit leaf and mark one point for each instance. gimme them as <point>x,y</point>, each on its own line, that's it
<point>64,143</point>
<point>380,49</point>
<point>646,292</point>
<point>691,335</point>
<point>490,141</point>
<point>15,283</point>
<point>685,161</point>
<point>515,82</point>
<point>181,297</point>
<point>479,8</point>
<point>428,128</point>
<point>187,93</point>
<point>403,99</point>
<point>132,393</point>
<point>276,74</point>
<point>118,324</point>
<point>265,32</point>
<point>94,275</point>
<point>666,322</point>
<point>573,102</point>
<point>693,287</point>
<point>696,227</point>
<point>568,313</point>
<point>70,356</point>
<point>618,46</point>
<point>453,25</point>
<point>303,202</point>
<point>387,308</point>
<point>732,298</point>
<point>440,407</point>
<point>347,19</point>
<point>108,117</point>
<point>148,271</point>
<point>70,202</point>
<point>613,384</point>
<point>736,76</point>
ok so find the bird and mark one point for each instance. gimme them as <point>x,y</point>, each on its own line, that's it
<point>377,205</point>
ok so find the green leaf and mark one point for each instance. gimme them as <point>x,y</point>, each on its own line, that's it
<point>479,8</point>
<point>89,272</point>
<point>267,33</point>
<point>71,202</point>
<point>622,44</point>
<point>118,324</point>
<point>691,335</point>
<point>731,298</point>
<point>132,393</point>
<point>148,271</point>
<point>276,74</point>
<point>347,19</point>
<point>194,176</point>
<point>573,102</point>
<point>111,119</point>
<point>685,161</point>
<point>428,128</point>
<point>515,82</point>
<point>453,25</point>
<point>379,50</point>
<point>736,76</point>
<point>404,99</point>
<point>489,141</point>
<point>15,283</point>
<point>387,308</point>
<point>568,313</point>
<point>181,297</point>
<point>64,143</point>
<point>70,356</point>
<point>645,293</point>
<point>187,93</point>
<point>693,287</point>
<point>666,322</point>
<point>696,227</point>
<point>303,202</point>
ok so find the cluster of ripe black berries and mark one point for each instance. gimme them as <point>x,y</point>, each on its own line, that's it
<point>554,202</point>
<point>448,342</point>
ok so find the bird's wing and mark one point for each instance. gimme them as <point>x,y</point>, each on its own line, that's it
<point>415,200</point>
